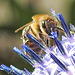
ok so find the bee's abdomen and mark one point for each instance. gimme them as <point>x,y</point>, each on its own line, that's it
<point>34,47</point>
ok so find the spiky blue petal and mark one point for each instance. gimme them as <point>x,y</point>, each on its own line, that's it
<point>32,54</point>
<point>35,41</point>
<point>29,60</point>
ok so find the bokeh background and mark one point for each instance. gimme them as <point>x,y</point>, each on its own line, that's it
<point>16,13</point>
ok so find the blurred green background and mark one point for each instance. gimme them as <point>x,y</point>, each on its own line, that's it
<point>16,13</point>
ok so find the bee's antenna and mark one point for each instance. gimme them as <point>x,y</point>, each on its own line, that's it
<point>19,29</point>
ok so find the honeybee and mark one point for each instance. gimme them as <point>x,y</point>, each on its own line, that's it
<point>40,27</point>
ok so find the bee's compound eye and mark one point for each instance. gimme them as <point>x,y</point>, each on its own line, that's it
<point>43,24</point>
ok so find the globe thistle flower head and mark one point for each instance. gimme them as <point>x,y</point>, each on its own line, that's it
<point>58,60</point>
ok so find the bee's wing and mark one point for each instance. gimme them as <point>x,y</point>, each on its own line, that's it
<point>28,24</point>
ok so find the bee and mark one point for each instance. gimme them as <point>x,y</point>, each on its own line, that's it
<point>40,27</point>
